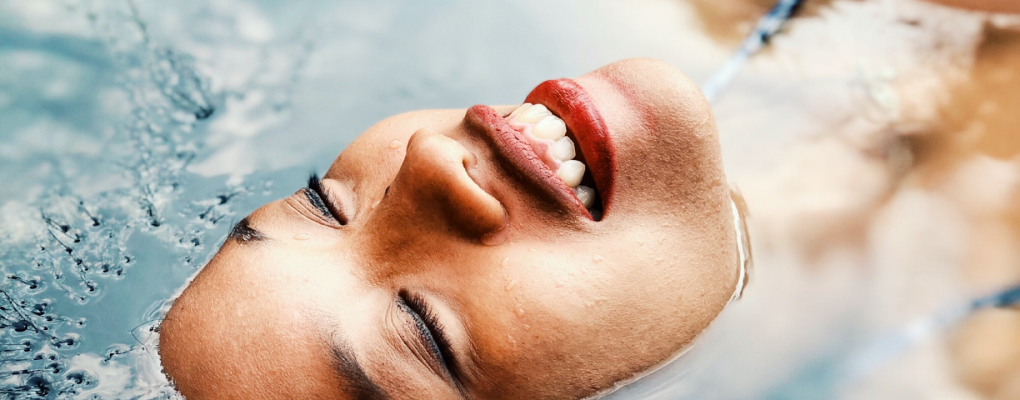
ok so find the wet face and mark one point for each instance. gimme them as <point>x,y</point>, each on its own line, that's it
<point>448,254</point>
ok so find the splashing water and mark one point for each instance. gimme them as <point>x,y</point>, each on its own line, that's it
<point>117,205</point>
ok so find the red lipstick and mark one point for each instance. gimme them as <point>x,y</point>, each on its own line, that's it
<point>568,101</point>
<point>571,103</point>
<point>515,151</point>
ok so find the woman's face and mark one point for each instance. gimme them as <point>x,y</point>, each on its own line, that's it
<point>442,256</point>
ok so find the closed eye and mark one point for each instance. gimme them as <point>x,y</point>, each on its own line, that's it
<point>321,200</point>
<point>430,330</point>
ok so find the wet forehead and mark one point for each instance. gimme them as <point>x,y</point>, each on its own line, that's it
<point>224,329</point>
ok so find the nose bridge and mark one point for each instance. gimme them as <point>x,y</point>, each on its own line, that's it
<point>434,195</point>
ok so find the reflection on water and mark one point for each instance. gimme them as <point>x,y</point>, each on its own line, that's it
<point>729,21</point>
<point>973,157</point>
<point>878,184</point>
<point>874,143</point>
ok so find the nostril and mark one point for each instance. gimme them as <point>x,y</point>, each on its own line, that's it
<point>470,160</point>
<point>439,181</point>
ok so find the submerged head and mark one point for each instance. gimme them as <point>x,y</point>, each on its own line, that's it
<point>442,256</point>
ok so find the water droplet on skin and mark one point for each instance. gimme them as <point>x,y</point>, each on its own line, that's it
<point>510,286</point>
<point>519,312</point>
<point>506,262</point>
<point>597,258</point>
<point>395,144</point>
<point>527,327</point>
<point>302,236</point>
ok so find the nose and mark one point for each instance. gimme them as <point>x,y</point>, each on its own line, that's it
<point>434,191</point>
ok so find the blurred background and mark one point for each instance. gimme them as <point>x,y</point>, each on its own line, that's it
<point>875,143</point>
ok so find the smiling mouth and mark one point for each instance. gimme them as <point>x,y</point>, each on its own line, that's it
<point>547,135</point>
<point>558,141</point>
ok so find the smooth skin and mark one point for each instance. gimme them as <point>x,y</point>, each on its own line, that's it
<point>563,308</point>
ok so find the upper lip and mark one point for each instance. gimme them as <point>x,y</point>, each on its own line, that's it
<point>568,101</point>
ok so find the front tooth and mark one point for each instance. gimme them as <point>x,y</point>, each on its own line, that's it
<point>571,172</point>
<point>563,149</point>
<point>519,109</point>
<point>533,114</point>
<point>586,195</point>
<point>550,127</point>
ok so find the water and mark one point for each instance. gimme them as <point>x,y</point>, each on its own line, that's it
<point>133,134</point>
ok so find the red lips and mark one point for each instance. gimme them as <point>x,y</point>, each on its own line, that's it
<point>568,101</point>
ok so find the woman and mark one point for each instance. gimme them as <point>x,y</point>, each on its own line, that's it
<point>475,253</point>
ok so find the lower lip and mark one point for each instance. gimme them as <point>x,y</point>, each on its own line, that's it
<point>515,150</point>
<point>574,106</point>
<point>569,101</point>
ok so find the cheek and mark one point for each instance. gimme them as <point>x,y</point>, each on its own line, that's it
<point>552,312</point>
<point>665,162</point>
<point>546,301</point>
<point>646,277</point>
<point>670,177</point>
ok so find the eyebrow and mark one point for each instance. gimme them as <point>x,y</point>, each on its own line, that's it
<point>360,386</point>
<point>244,233</point>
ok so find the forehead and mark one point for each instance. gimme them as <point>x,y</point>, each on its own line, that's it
<point>231,330</point>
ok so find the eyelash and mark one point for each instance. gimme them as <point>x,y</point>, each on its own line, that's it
<point>321,200</point>
<point>432,332</point>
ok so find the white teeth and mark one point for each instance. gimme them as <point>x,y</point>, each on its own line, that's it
<point>563,149</point>
<point>533,114</point>
<point>586,195</point>
<point>571,172</point>
<point>551,130</point>
<point>550,127</point>
<point>518,110</point>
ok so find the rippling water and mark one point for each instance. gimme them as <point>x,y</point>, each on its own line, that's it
<point>133,134</point>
